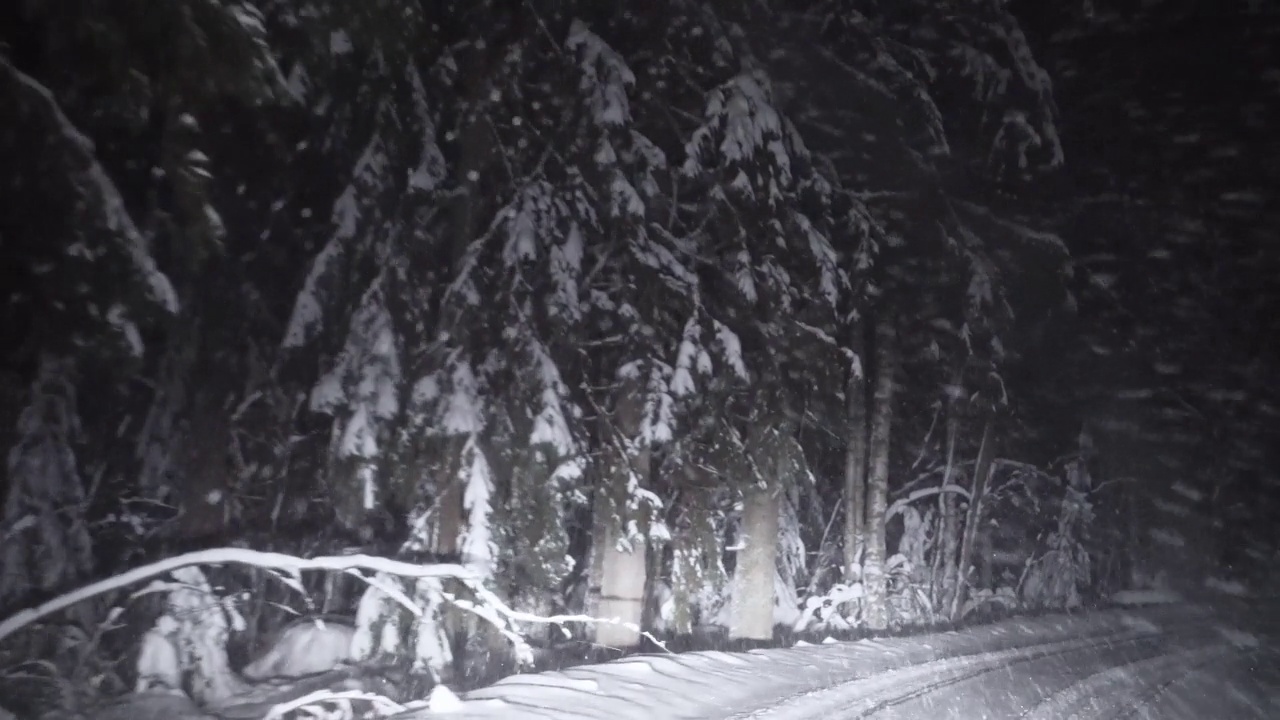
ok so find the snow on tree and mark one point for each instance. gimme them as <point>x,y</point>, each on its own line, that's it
<point>362,222</point>
<point>758,155</point>
<point>530,525</point>
<point>308,310</point>
<point>625,512</point>
<point>386,399</point>
<point>451,404</point>
<point>380,622</point>
<point>362,392</point>
<point>476,543</point>
<point>99,238</point>
<point>199,622</point>
<point>791,554</point>
<point>975,56</point>
<point>149,78</point>
<point>431,650</point>
<point>1058,576</point>
<point>47,540</point>
<point>374,274</point>
<point>159,661</point>
<point>386,633</point>
<point>556,261</point>
<point>932,252</point>
<point>698,578</point>
<point>544,468</point>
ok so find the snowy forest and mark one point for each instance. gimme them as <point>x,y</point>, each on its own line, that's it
<point>508,332</point>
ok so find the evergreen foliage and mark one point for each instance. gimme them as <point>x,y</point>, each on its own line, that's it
<point>547,285</point>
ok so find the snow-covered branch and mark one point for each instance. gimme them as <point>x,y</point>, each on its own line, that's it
<point>488,607</point>
<point>901,504</point>
<point>98,199</point>
<point>492,604</point>
<point>233,556</point>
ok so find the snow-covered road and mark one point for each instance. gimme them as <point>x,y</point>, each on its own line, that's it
<point>1097,678</point>
<point>1168,662</point>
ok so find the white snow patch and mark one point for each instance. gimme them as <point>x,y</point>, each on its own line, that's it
<point>358,438</point>
<point>346,214</point>
<point>731,348</point>
<point>307,315</point>
<point>443,700</point>
<point>462,414</point>
<point>159,661</point>
<point>605,75</point>
<point>476,542</point>
<point>304,649</point>
<point>327,393</point>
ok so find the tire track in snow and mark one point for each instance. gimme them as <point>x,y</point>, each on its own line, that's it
<point>1223,670</point>
<point>1106,691</point>
<point>712,684</point>
<point>876,694</point>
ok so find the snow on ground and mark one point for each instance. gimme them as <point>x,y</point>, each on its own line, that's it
<point>304,649</point>
<point>1246,687</point>
<point>1008,669</point>
<point>1089,697</point>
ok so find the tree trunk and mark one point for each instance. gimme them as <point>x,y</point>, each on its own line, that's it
<point>981,471</point>
<point>751,611</point>
<point>855,471</point>
<point>622,582</point>
<point>877,605</point>
<point>618,554</point>
<point>449,518</point>
<point>944,559</point>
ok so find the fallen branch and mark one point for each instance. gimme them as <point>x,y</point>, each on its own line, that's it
<point>490,607</point>
<point>493,601</point>
<point>232,556</point>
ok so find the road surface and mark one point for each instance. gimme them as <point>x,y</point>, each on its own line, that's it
<point>1166,663</point>
<point>1140,676</point>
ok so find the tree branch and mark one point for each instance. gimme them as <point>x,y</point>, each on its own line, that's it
<point>901,504</point>
<point>232,556</point>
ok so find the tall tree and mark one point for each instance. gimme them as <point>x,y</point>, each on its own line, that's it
<point>857,434</point>
<point>881,435</point>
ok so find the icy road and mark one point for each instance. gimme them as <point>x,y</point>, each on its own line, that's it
<point>1167,663</point>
